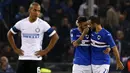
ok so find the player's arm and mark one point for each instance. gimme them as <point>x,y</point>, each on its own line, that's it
<point>112,44</point>
<point>10,37</point>
<point>116,53</point>
<point>78,41</point>
<point>54,39</point>
<point>109,40</point>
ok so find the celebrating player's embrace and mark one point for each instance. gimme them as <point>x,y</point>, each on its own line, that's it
<point>92,47</point>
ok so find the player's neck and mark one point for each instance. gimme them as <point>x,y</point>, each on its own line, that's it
<point>98,28</point>
<point>31,19</point>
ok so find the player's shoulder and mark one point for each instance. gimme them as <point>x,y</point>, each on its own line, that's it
<point>74,29</point>
<point>106,32</point>
<point>23,20</point>
<point>41,21</point>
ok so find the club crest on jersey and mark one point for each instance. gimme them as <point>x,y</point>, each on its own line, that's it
<point>98,37</point>
<point>37,30</point>
<point>87,36</point>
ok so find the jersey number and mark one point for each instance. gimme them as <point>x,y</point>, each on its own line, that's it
<point>38,69</point>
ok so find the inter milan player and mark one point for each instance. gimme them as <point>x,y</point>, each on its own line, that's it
<point>32,31</point>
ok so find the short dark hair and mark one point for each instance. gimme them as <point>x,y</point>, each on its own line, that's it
<point>95,19</point>
<point>82,19</point>
<point>34,3</point>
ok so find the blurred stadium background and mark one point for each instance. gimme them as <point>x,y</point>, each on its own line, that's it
<point>61,15</point>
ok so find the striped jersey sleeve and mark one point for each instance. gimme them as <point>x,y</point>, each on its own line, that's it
<point>16,28</point>
<point>110,41</point>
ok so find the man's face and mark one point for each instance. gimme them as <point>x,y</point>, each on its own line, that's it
<point>83,25</point>
<point>3,63</point>
<point>119,34</point>
<point>93,26</point>
<point>34,11</point>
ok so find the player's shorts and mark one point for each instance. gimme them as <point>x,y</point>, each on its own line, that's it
<point>28,66</point>
<point>100,68</point>
<point>81,68</point>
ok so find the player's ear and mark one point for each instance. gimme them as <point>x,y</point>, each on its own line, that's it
<point>77,24</point>
<point>29,10</point>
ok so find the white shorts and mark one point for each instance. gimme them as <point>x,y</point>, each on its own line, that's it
<point>81,69</point>
<point>100,68</point>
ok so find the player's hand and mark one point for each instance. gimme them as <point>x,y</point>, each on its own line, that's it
<point>119,66</point>
<point>75,44</point>
<point>41,53</point>
<point>19,51</point>
<point>85,31</point>
<point>107,50</point>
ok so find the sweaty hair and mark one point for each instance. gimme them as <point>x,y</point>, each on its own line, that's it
<point>82,19</point>
<point>34,4</point>
<point>95,19</point>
